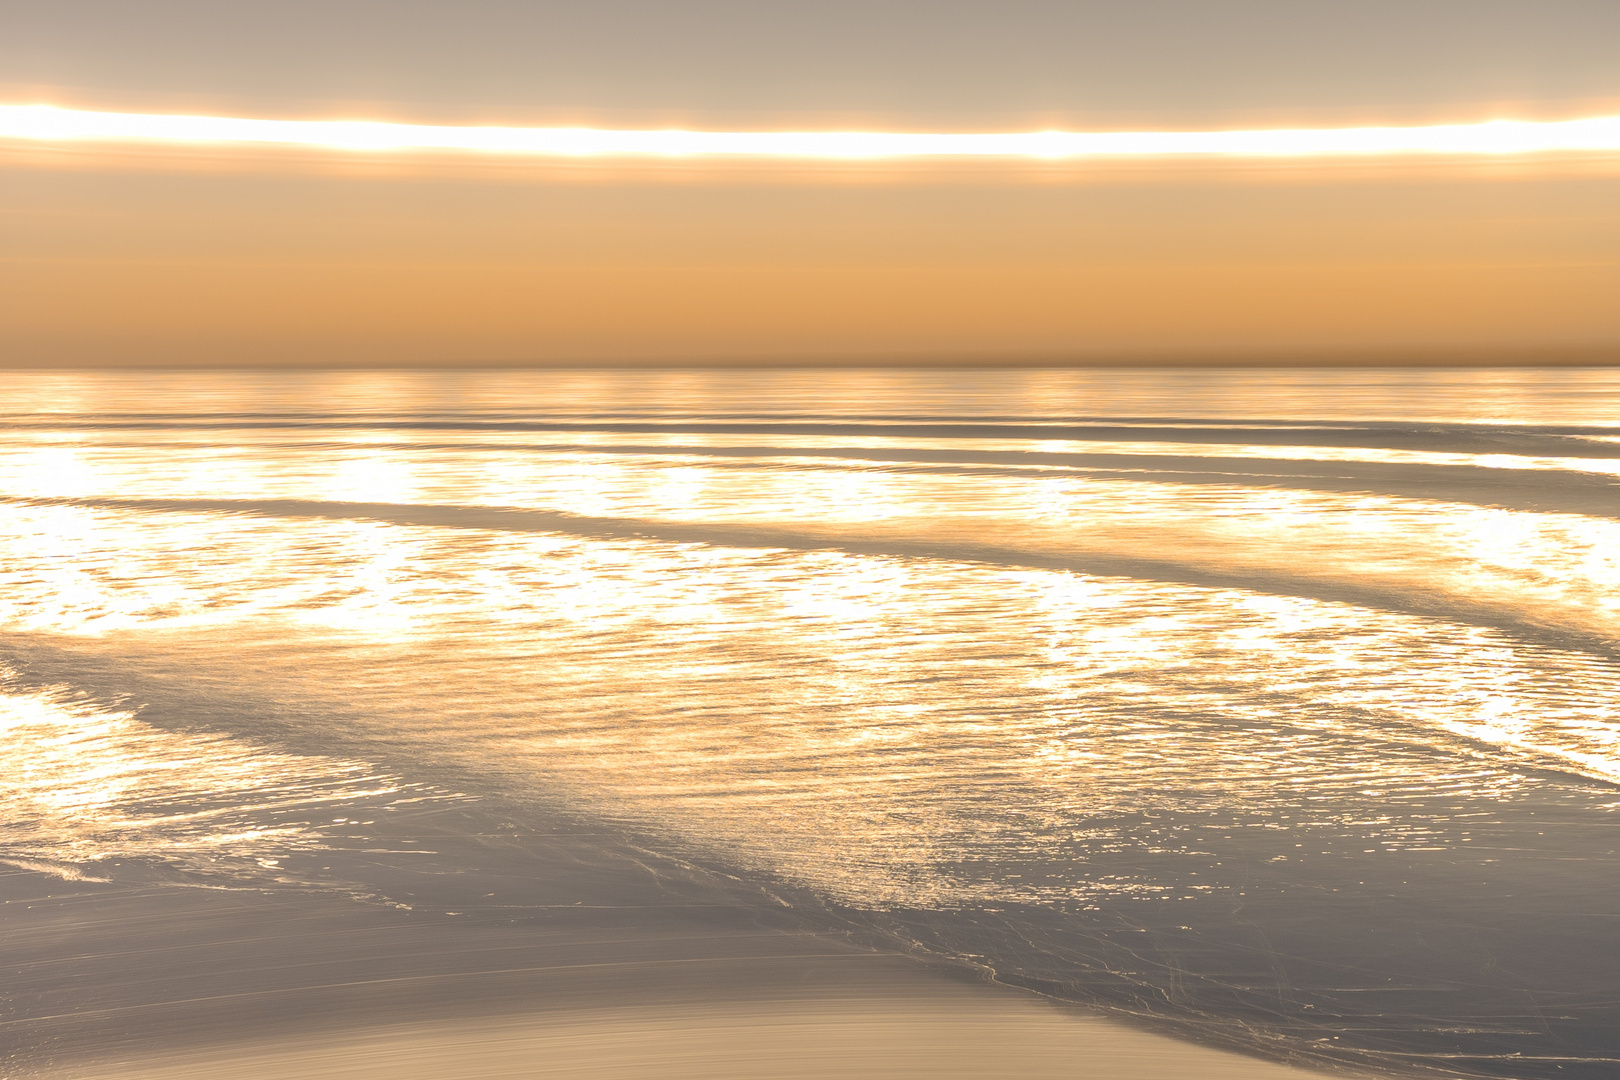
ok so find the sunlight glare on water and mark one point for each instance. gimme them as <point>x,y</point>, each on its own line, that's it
<point>992,655</point>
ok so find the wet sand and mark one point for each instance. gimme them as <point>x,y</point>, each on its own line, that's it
<point>133,980</point>
<point>925,1034</point>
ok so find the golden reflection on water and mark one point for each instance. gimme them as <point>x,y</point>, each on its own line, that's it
<point>896,688</point>
<point>859,723</point>
<point>86,784</point>
<point>1557,569</point>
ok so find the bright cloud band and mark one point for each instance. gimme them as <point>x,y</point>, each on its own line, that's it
<point>45,123</point>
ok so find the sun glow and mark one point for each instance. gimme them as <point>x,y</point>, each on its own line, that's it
<point>47,123</point>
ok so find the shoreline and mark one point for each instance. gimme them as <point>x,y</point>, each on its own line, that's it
<point>141,981</point>
<point>927,1033</point>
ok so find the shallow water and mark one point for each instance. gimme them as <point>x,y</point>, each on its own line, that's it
<point>1276,708</point>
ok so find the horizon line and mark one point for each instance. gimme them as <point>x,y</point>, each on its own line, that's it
<point>1411,357</point>
<point>41,123</point>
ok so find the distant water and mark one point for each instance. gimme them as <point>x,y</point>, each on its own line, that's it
<point>1277,708</point>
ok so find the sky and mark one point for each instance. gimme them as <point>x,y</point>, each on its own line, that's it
<point>231,255</point>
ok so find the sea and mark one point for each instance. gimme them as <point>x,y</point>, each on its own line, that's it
<point>1273,708</point>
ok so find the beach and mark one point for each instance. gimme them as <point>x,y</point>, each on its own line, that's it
<point>133,980</point>
<point>960,722</point>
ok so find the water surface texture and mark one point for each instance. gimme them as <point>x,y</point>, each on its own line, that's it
<point>1278,709</point>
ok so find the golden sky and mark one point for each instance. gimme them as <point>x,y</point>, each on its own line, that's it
<point>222,253</point>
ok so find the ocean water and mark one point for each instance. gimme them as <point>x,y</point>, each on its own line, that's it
<point>1279,709</point>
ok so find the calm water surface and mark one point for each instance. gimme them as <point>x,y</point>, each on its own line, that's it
<point>1276,708</point>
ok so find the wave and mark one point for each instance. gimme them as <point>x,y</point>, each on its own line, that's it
<point>88,785</point>
<point>1542,486</point>
<point>1578,613</point>
<point>1549,489</point>
<point>1545,440</point>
